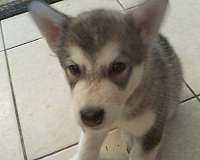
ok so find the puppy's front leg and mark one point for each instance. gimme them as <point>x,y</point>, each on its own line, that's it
<point>138,152</point>
<point>89,145</point>
<point>147,146</point>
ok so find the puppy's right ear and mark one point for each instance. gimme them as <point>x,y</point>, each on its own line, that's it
<point>50,22</point>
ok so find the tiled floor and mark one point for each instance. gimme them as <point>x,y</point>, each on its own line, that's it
<point>35,120</point>
<point>1,43</point>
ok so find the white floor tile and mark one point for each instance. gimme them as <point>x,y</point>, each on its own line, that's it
<point>19,29</point>
<point>183,27</point>
<point>64,155</point>
<point>1,42</point>
<point>192,77</point>
<point>186,93</point>
<point>74,7</point>
<point>10,146</point>
<point>131,3</point>
<point>182,137</point>
<point>43,99</point>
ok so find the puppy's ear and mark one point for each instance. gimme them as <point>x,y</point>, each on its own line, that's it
<point>148,18</point>
<point>50,22</point>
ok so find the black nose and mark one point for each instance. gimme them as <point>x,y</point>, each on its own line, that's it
<point>92,116</point>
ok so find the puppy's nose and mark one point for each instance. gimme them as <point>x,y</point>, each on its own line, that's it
<point>92,116</point>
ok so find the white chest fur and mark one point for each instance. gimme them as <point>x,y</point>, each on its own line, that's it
<point>139,125</point>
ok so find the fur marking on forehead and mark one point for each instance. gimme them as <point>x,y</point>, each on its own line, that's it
<point>107,54</point>
<point>104,57</point>
<point>91,31</point>
<point>78,56</point>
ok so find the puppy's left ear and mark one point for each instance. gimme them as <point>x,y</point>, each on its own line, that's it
<point>148,18</point>
<point>50,22</point>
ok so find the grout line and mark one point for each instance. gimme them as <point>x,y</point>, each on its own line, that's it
<point>23,43</point>
<point>193,92</point>
<point>60,150</point>
<point>121,5</point>
<point>198,98</point>
<point>185,100</point>
<point>13,97</point>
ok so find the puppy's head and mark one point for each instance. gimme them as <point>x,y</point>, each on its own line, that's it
<point>102,53</point>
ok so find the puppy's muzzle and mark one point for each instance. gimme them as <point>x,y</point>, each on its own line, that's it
<point>92,116</point>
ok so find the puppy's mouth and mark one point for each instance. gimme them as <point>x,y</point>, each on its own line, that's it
<point>101,128</point>
<point>97,124</point>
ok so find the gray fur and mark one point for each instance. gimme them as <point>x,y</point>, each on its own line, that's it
<point>159,90</point>
<point>161,84</point>
<point>92,30</point>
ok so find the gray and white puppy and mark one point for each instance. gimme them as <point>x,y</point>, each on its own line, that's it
<point>123,74</point>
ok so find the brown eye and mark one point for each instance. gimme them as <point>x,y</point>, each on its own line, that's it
<point>74,70</point>
<point>117,68</point>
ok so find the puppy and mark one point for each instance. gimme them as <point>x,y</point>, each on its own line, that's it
<point>123,74</point>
